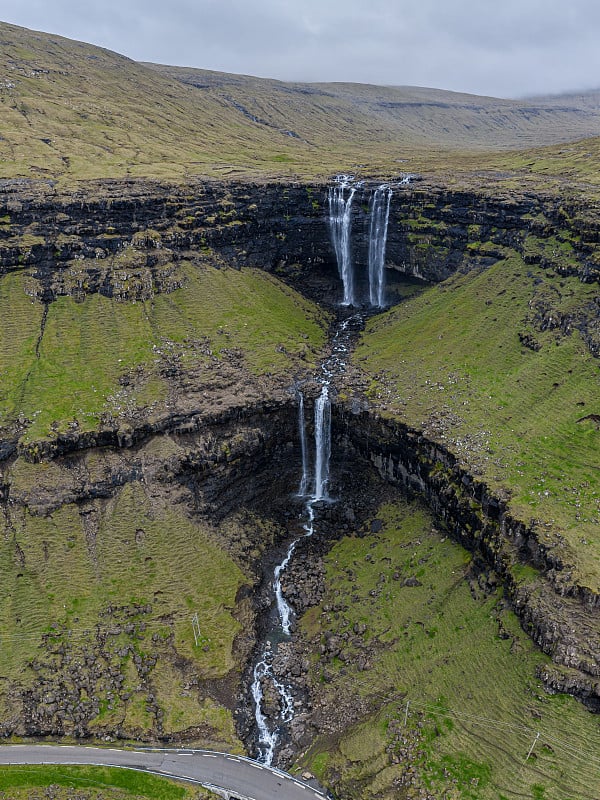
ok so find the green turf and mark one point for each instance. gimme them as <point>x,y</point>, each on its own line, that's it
<point>68,371</point>
<point>121,581</point>
<point>458,657</point>
<point>450,362</point>
<point>90,783</point>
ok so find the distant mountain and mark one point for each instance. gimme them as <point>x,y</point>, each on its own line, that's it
<point>423,115</point>
<point>75,110</point>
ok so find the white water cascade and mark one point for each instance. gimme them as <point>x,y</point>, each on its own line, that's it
<point>380,213</point>
<point>263,669</point>
<point>267,739</point>
<point>268,736</point>
<point>303,488</point>
<point>340,221</point>
<point>322,443</point>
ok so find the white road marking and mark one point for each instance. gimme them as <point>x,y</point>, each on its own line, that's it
<point>174,755</point>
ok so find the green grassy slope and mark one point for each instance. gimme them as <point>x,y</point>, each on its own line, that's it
<point>419,626</point>
<point>403,115</point>
<point>570,169</point>
<point>477,363</point>
<point>83,362</point>
<point>113,586</point>
<point>90,783</point>
<point>72,108</point>
<point>97,596</point>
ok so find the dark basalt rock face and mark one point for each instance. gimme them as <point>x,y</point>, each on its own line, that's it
<point>135,233</point>
<point>123,239</point>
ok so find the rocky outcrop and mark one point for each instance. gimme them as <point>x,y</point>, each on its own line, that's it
<point>123,239</point>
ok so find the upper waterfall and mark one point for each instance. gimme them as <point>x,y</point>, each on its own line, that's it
<point>340,197</point>
<point>379,208</point>
<point>340,222</point>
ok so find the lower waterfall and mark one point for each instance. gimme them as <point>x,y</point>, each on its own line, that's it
<point>269,734</point>
<point>303,488</point>
<point>322,443</point>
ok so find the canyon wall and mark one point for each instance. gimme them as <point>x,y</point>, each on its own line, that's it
<point>69,240</point>
<point>126,240</point>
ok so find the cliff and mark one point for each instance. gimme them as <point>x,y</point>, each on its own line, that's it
<point>200,400</point>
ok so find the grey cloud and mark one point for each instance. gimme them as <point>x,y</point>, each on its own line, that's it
<point>507,48</point>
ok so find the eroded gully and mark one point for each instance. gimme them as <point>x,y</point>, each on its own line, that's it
<point>313,493</point>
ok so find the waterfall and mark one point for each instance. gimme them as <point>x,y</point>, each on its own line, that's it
<point>269,730</point>
<point>380,212</point>
<point>303,488</point>
<point>340,218</point>
<point>322,443</point>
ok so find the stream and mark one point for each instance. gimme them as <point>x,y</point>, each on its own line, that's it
<point>313,489</point>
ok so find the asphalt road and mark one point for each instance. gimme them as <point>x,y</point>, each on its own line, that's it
<point>241,777</point>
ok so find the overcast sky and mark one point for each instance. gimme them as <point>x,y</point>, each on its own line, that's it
<point>506,48</point>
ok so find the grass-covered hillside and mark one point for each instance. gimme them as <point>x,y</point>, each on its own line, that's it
<point>76,365</point>
<point>497,364</point>
<point>106,555</point>
<point>97,602</point>
<point>425,685</point>
<point>74,111</point>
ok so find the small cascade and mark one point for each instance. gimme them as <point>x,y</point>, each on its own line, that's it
<point>268,737</point>
<point>284,609</point>
<point>380,212</point>
<point>322,443</point>
<point>303,488</point>
<point>340,220</point>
